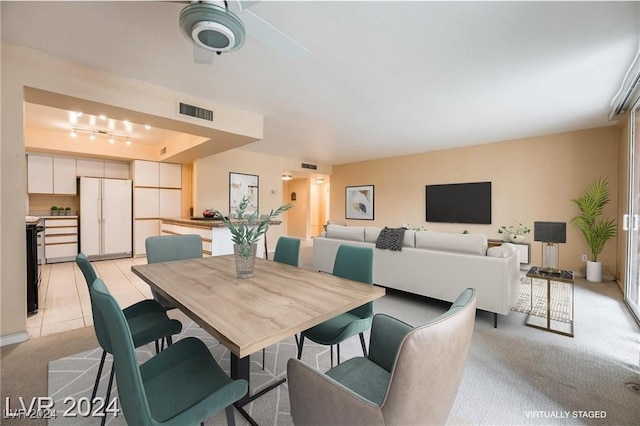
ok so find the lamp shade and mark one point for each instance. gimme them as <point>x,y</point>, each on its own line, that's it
<point>550,232</point>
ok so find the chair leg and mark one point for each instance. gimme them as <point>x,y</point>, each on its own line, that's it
<point>331,350</point>
<point>106,401</point>
<point>338,353</point>
<point>263,351</point>
<point>300,345</point>
<point>95,386</point>
<point>231,420</point>
<point>169,341</point>
<point>157,348</point>
<point>364,347</point>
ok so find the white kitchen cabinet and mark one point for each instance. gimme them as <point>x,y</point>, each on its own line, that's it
<point>146,203</point>
<point>51,175</point>
<point>170,175</point>
<point>146,173</point>
<point>64,176</point>
<point>170,200</point>
<point>114,170</point>
<point>39,174</point>
<point>143,229</point>
<point>60,239</point>
<point>89,168</point>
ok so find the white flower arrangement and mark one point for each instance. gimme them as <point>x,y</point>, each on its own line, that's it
<point>514,233</point>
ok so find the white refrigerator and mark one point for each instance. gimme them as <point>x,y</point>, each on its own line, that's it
<point>105,218</point>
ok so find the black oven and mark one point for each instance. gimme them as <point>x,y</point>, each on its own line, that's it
<point>33,228</point>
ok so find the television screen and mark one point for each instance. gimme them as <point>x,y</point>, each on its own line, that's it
<point>459,203</point>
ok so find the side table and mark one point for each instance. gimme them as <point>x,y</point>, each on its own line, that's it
<point>547,323</point>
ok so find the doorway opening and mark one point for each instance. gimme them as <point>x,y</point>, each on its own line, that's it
<point>310,194</point>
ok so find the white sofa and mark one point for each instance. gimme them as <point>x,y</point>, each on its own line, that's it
<point>433,264</point>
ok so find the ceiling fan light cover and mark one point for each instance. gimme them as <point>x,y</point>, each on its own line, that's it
<point>212,27</point>
<point>213,36</point>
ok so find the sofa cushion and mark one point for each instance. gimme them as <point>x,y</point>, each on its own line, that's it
<point>459,243</point>
<point>508,248</point>
<point>351,233</point>
<point>391,239</point>
<point>409,238</point>
<point>371,234</point>
<point>497,252</point>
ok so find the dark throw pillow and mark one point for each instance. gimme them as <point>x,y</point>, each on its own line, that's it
<point>391,239</point>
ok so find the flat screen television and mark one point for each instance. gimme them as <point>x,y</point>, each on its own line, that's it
<point>459,203</point>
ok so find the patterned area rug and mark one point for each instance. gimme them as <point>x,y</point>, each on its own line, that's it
<point>560,299</point>
<point>71,379</point>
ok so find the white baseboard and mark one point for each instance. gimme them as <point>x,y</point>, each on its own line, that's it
<point>11,339</point>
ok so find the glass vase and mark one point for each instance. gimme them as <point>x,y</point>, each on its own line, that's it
<point>245,256</point>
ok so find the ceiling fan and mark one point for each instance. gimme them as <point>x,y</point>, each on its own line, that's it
<point>216,27</point>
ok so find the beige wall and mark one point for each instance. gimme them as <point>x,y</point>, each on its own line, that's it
<point>532,179</point>
<point>211,189</point>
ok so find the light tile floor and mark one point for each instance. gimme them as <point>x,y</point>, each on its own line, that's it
<point>64,303</point>
<point>64,297</point>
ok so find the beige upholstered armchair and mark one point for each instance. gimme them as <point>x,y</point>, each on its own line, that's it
<point>411,376</point>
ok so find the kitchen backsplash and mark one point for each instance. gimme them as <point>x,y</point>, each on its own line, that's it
<point>40,204</point>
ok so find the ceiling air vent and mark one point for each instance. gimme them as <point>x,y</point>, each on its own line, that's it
<point>309,166</point>
<point>194,111</point>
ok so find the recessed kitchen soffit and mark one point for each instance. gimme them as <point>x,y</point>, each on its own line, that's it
<point>182,141</point>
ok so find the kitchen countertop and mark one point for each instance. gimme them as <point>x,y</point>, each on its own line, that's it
<point>202,223</point>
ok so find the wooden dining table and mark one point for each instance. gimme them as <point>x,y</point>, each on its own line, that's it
<point>247,315</point>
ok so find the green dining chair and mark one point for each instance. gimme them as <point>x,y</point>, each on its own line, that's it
<point>147,320</point>
<point>287,251</point>
<point>354,263</point>
<point>165,248</point>
<point>182,385</point>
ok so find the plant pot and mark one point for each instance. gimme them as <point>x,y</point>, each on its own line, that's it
<point>514,238</point>
<point>245,257</point>
<point>594,271</point>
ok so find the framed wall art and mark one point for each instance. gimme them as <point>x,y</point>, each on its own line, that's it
<point>241,185</point>
<point>359,202</point>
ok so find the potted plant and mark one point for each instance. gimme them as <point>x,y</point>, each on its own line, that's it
<point>596,231</point>
<point>245,233</point>
<point>54,210</point>
<point>67,211</point>
<point>514,233</point>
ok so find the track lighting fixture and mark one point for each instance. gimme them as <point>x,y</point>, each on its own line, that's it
<point>93,134</point>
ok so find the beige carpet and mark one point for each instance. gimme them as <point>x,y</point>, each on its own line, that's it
<point>561,297</point>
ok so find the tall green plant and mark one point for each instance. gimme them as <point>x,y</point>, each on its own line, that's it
<point>247,229</point>
<point>591,205</point>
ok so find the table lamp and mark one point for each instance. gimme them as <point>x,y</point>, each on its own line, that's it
<point>550,234</point>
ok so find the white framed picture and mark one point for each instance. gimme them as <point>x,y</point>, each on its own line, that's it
<point>241,185</point>
<point>359,202</point>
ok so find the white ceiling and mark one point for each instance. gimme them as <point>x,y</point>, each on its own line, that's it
<point>383,78</point>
